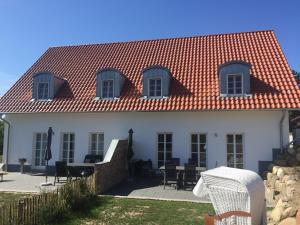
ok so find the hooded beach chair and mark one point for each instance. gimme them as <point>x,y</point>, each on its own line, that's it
<point>237,195</point>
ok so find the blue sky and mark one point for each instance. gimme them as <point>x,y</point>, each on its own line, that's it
<point>28,28</point>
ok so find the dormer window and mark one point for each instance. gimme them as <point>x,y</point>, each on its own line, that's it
<point>234,84</point>
<point>155,87</point>
<point>234,78</point>
<point>43,90</point>
<point>108,89</point>
<point>109,83</point>
<point>156,82</point>
<point>45,85</point>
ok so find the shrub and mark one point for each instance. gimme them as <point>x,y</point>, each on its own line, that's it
<point>77,196</point>
<point>51,210</point>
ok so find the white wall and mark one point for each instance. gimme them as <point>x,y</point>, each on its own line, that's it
<point>260,129</point>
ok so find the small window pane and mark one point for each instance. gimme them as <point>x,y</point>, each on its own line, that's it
<point>203,138</point>
<point>239,138</point>
<point>194,138</point>
<point>168,137</point>
<point>160,138</point>
<point>229,138</point>
<point>194,148</point>
<point>239,148</point>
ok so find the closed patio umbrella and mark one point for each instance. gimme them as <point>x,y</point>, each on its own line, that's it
<point>48,154</point>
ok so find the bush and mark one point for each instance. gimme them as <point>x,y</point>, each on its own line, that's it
<point>78,196</point>
<point>51,212</point>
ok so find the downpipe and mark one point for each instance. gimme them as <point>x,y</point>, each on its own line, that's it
<point>2,117</point>
<point>281,131</point>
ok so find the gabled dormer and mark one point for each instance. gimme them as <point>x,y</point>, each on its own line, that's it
<point>45,85</point>
<point>109,83</point>
<point>234,78</point>
<point>156,82</point>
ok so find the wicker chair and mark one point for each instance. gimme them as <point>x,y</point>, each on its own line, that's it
<point>238,196</point>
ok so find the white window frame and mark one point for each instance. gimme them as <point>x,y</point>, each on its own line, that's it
<point>234,149</point>
<point>97,151</point>
<point>37,90</point>
<point>67,159</point>
<point>234,83</point>
<point>198,146</point>
<point>161,84</point>
<point>165,146</point>
<point>42,151</point>
<point>102,88</point>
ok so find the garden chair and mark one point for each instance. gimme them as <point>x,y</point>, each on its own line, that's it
<point>60,171</point>
<point>189,175</point>
<point>171,175</point>
<point>238,196</point>
<point>192,162</point>
<point>175,161</point>
<point>90,158</point>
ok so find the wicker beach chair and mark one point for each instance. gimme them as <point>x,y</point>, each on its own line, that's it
<point>238,196</point>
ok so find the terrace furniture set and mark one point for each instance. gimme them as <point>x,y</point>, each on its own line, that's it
<point>67,171</point>
<point>180,176</point>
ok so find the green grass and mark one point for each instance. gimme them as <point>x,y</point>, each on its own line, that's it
<point>10,197</point>
<point>109,210</point>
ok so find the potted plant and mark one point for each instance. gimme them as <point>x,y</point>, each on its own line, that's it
<point>22,161</point>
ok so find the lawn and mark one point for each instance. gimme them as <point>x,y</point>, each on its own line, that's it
<point>109,210</point>
<point>10,197</point>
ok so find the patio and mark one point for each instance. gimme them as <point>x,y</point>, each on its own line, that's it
<point>17,182</point>
<point>151,188</point>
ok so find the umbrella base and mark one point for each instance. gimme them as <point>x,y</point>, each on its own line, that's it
<point>46,184</point>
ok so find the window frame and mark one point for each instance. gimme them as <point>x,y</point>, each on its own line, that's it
<point>164,149</point>
<point>97,143</point>
<point>199,143</point>
<point>234,84</point>
<point>37,90</point>
<point>68,149</point>
<point>41,155</point>
<point>113,88</point>
<point>161,89</point>
<point>234,150</point>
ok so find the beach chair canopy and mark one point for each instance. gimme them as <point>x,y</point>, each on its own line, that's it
<point>231,189</point>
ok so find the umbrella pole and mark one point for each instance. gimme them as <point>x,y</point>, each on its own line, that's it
<point>47,172</point>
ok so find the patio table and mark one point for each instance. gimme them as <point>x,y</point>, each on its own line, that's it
<point>80,164</point>
<point>181,168</point>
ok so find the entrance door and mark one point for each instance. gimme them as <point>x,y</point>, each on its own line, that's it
<point>164,148</point>
<point>40,144</point>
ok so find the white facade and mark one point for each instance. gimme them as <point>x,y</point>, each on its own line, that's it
<point>260,130</point>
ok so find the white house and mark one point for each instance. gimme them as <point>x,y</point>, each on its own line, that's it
<point>216,99</point>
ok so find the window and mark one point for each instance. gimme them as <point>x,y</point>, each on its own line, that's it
<point>234,84</point>
<point>198,149</point>
<point>68,146</point>
<point>40,144</point>
<point>164,148</point>
<point>107,89</point>
<point>43,90</point>
<point>235,150</point>
<point>96,143</point>
<point>155,87</point>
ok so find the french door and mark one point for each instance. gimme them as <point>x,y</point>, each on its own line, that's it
<point>164,148</point>
<point>235,150</point>
<point>40,144</point>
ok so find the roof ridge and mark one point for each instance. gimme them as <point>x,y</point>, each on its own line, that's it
<point>164,39</point>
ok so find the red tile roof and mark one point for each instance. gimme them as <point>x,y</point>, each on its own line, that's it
<point>193,63</point>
